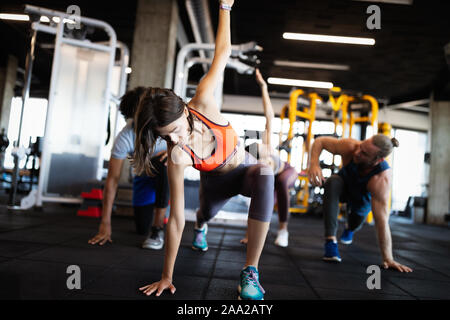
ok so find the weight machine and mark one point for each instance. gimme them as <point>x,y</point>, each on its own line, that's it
<point>79,98</point>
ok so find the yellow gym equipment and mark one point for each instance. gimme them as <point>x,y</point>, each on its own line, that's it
<point>343,103</point>
<point>307,114</point>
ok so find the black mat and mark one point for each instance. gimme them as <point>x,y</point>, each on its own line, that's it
<point>36,247</point>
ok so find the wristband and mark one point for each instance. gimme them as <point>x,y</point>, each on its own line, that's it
<point>225,6</point>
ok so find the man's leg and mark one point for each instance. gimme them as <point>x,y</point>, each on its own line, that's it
<point>355,221</point>
<point>334,188</point>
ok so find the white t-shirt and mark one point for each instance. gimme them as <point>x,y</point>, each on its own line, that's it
<point>124,143</point>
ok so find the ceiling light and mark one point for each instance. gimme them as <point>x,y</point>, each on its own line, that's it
<point>128,70</point>
<point>300,83</point>
<point>65,20</point>
<point>16,17</point>
<point>299,64</point>
<point>25,17</point>
<point>69,21</point>
<point>407,2</point>
<point>328,38</point>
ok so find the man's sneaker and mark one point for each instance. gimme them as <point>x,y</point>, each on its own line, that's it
<point>282,238</point>
<point>156,239</point>
<point>199,242</point>
<point>346,237</point>
<point>331,252</point>
<point>249,287</point>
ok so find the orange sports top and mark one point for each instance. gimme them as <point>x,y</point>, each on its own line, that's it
<point>226,145</point>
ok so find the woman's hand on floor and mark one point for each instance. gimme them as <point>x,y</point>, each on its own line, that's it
<point>397,266</point>
<point>103,235</point>
<point>159,287</point>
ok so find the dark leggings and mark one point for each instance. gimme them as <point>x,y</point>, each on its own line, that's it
<point>335,193</point>
<point>143,215</point>
<point>249,179</point>
<point>161,184</point>
<point>283,182</point>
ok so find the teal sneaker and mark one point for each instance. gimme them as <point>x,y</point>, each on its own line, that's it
<point>199,242</point>
<point>249,287</point>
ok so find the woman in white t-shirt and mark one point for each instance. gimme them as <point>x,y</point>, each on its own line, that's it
<point>150,194</point>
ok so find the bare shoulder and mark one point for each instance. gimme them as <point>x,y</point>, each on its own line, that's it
<point>203,102</point>
<point>178,157</point>
<point>380,183</point>
<point>209,109</point>
<point>196,103</point>
<point>350,144</point>
<point>343,147</point>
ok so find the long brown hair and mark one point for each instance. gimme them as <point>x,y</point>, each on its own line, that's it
<point>157,108</point>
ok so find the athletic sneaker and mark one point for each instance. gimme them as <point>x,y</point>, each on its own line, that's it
<point>282,238</point>
<point>331,252</point>
<point>199,242</point>
<point>155,240</point>
<point>249,287</point>
<point>346,237</point>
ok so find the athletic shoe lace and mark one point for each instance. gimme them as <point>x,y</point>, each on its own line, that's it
<point>199,237</point>
<point>250,277</point>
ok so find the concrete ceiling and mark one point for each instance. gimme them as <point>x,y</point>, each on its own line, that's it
<point>405,64</point>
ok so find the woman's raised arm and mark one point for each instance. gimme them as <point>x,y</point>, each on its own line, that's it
<point>268,109</point>
<point>204,96</point>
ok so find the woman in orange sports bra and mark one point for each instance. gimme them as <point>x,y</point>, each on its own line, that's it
<point>199,136</point>
<point>226,143</point>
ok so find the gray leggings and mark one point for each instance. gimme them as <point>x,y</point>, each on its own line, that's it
<point>335,193</point>
<point>250,179</point>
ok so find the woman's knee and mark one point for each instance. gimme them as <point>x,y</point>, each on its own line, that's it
<point>279,182</point>
<point>262,194</point>
<point>285,181</point>
<point>262,177</point>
